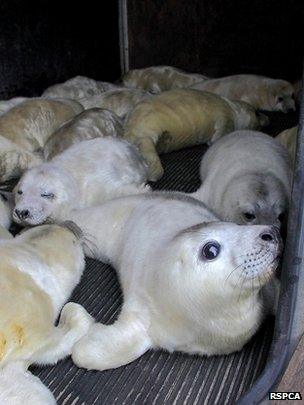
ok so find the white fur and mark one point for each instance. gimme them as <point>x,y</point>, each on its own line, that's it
<point>246,172</point>
<point>86,174</point>
<point>6,208</point>
<point>173,297</point>
<point>78,87</point>
<point>6,105</point>
<point>48,262</point>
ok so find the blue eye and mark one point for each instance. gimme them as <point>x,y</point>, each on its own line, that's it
<point>47,195</point>
<point>211,250</point>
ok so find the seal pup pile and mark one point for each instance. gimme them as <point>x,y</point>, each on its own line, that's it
<point>38,271</point>
<point>89,124</point>
<point>83,175</point>
<point>246,178</point>
<point>192,284</point>
<point>261,92</point>
<point>156,79</point>
<point>179,118</point>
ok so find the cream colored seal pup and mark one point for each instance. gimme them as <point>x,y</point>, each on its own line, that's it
<point>246,178</point>
<point>6,208</point>
<point>261,92</point>
<point>121,101</point>
<point>180,118</point>
<point>89,124</point>
<point>160,78</point>
<point>85,174</point>
<point>38,271</point>
<point>14,160</point>
<point>30,123</point>
<point>288,138</point>
<point>190,283</point>
<point>78,87</point>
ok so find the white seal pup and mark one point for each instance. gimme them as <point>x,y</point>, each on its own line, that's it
<point>89,124</point>
<point>190,283</point>
<point>14,160</point>
<point>6,208</point>
<point>78,87</point>
<point>38,271</point>
<point>261,92</point>
<point>288,138</point>
<point>180,118</point>
<point>156,79</point>
<point>121,101</point>
<point>30,123</point>
<point>85,174</point>
<point>246,178</point>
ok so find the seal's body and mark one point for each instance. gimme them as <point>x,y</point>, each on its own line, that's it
<point>186,278</point>
<point>180,118</point>
<point>6,208</point>
<point>6,105</point>
<point>78,87</point>
<point>156,79</point>
<point>261,92</point>
<point>89,124</point>
<point>38,271</point>
<point>120,101</point>
<point>246,178</point>
<point>288,138</point>
<point>30,123</point>
<point>85,174</point>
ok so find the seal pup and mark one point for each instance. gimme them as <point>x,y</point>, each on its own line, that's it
<point>89,124</point>
<point>288,138</point>
<point>156,79</point>
<point>190,283</point>
<point>6,208</point>
<point>31,122</point>
<point>78,87</point>
<point>38,271</point>
<point>261,92</point>
<point>180,118</point>
<point>14,160</point>
<point>121,101</point>
<point>85,174</point>
<point>246,178</point>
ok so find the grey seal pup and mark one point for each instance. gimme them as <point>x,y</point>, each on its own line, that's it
<point>190,282</point>
<point>89,124</point>
<point>246,178</point>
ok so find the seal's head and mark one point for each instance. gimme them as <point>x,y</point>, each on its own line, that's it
<point>255,199</point>
<point>42,194</point>
<point>279,96</point>
<point>208,265</point>
<point>247,117</point>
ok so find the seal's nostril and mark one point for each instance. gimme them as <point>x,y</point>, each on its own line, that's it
<point>24,214</point>
<point>18,213</point>
<point>267,237</point>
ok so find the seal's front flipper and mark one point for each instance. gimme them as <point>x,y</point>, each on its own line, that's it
<point>112,346</point>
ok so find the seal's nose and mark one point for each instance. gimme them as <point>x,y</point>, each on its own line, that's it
<point>271,235</point>
<point>22,214</point>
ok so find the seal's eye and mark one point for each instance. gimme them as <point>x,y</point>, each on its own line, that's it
<point>281,217</point>
<point>249,216</point>
<point>3,197</point>
<point>47,195</point>
<point>20,192</point>
<point>280,99</point>
<point>211,250</point>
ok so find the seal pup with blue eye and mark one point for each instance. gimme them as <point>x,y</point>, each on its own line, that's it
<point>83,175</point>
<point>190,283</point>
<point>246,178</point>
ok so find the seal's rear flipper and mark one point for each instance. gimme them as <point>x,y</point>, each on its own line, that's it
<point>19,387</point>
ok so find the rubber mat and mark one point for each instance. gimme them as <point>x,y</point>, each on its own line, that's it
<point>159,377</point>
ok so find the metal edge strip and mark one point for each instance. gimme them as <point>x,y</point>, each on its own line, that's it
<point>123,36</point>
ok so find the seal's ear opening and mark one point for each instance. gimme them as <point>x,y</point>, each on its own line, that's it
<point>71,226</point>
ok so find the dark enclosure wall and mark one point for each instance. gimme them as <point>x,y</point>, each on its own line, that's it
<point>43,42</point>
<point>218,37</point>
